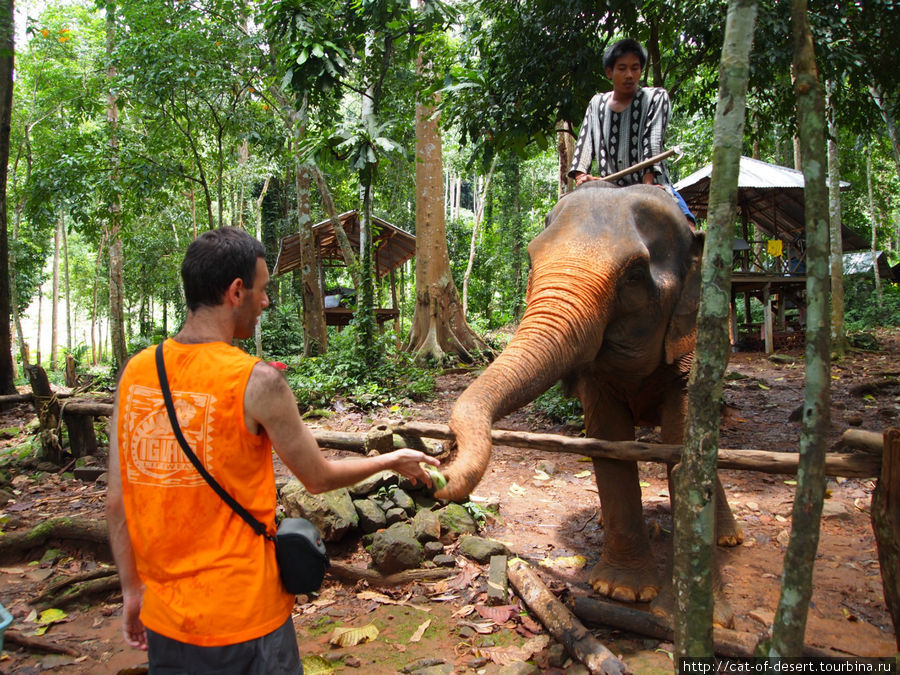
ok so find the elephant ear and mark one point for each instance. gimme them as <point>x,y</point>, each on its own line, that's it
<point>681,333</point>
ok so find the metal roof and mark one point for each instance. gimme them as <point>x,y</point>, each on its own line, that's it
<point>771,196</point>
<point>391,246</point>
<point>861,262</point>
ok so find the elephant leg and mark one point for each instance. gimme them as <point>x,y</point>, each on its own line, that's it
<point>664,604</point>
<point>626,570</point>
<point>728,531</point>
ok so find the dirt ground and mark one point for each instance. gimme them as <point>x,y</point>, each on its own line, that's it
<point>548,515</point>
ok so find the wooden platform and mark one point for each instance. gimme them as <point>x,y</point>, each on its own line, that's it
<point>341,316</point>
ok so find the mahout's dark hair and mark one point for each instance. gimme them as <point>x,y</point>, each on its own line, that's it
<point>627,46</point>
<point>214,260</point>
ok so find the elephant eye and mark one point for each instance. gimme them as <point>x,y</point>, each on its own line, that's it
<point>636,275</point>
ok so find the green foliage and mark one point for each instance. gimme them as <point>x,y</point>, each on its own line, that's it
<point>559,407</point>
<point>861,308</point>
<point>282,331</point>
<point>345,373</point>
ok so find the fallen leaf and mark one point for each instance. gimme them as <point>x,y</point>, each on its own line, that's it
<point>763,387</point>
<point>574,562</point>
<point>350,637</point>
<point>465,610</point>
<point>530,623</point>
<point>420,631</point>
<point>582,474</point>
<point>518,490</point>
<point>498,615</point>
<point>644,483</point>
<point>316,665</point>
<point>790,482</point>
<point>541,475</point>
<point>483,627</point>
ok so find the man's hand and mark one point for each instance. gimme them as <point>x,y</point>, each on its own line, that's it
<point>583,178</point>
<point>132,627</point>
<point>408,463</point>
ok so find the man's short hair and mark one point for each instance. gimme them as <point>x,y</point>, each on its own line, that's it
<point>622,47</point>
<point>214,260</point>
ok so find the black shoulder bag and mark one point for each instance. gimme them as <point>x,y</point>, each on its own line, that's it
<point>302,559</point>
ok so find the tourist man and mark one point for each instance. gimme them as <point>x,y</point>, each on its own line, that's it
<point>201,591</point>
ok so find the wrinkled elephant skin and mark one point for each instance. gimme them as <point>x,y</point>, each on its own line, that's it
<point>612,301</point>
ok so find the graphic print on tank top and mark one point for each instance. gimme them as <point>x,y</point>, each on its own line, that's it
<point>154,455</point>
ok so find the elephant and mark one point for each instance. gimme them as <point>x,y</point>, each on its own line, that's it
<point>612,300</point>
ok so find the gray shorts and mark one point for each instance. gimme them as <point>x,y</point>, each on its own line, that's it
<point>272,654</point>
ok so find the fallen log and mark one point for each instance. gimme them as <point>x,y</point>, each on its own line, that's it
<point>83,406</point>
<point>13,399</point>
<point>860,439</point>
<point>560,622</point>
<point>727,643</point>
<point>849,465</point>
<point>17,638</point>
<point>63,528</point>
<point>353,574</point>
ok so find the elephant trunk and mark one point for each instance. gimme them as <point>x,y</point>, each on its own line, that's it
<point>562,328</point>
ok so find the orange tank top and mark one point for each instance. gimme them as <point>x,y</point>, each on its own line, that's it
<point>210,580</point>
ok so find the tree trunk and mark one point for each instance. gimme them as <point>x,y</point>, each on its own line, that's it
<point>889,123</point>
<point>517,243</point>
<point>695,477</point>
<point>873,214</point>
<point>340,234</point>
<point>315,336</point>
<point>565,148</point>
<point>116,282</point>
<point>838,334</point>
<point>67,288</point>
<point>54,307</point>
<point>479,214</point>
<point>7,31</point>
<point>96,343</point>
<point>439,326</point>
<point>364,317</point>
<point>796,583</point>
<point>258,214</point>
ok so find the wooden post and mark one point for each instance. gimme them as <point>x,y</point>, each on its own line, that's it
<point>886,524</point>
<point>394,306</point>
<point>71,374</point>
<point>82,439</point>
<point>47,407</point>
<point>767,318</point>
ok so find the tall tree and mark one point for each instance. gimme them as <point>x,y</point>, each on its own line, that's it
<point>695,476</point>
<point>796,580</point>
<point>838,335</point>
<point>439,325</point>
<point>114,207</point>
<point>7,31</point>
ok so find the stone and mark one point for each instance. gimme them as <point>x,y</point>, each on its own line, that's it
<point>557,655</point>
<point>403,500</point>
<point>331,512</point>
<point>394,550</point>
<point>498,581</point>
<point>382,479</point>
<point>455,520</point>
<point>547,467</point>
<point>762,616</point>
<point>371,517</point>
<point>426,526</point>
<point>833,510</point>
<point>432,548</point>
<point>781,358</point>
<point>88,474</point>
<point>480,549</point>
<point>395,515</point>
<point>519,668</point>
<point>5,498</point>
<point>444,560</point>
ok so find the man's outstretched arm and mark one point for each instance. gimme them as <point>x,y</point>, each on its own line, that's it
<point>269,403</point>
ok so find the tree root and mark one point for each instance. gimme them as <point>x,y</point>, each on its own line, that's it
<point>16,638</point>
<point>352,574</point>
<point>17,544</point>
<point>67,590</point>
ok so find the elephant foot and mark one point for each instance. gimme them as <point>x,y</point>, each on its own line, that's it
<point>625,582</point>
<point>664,606</point>
<point>728,531</point>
